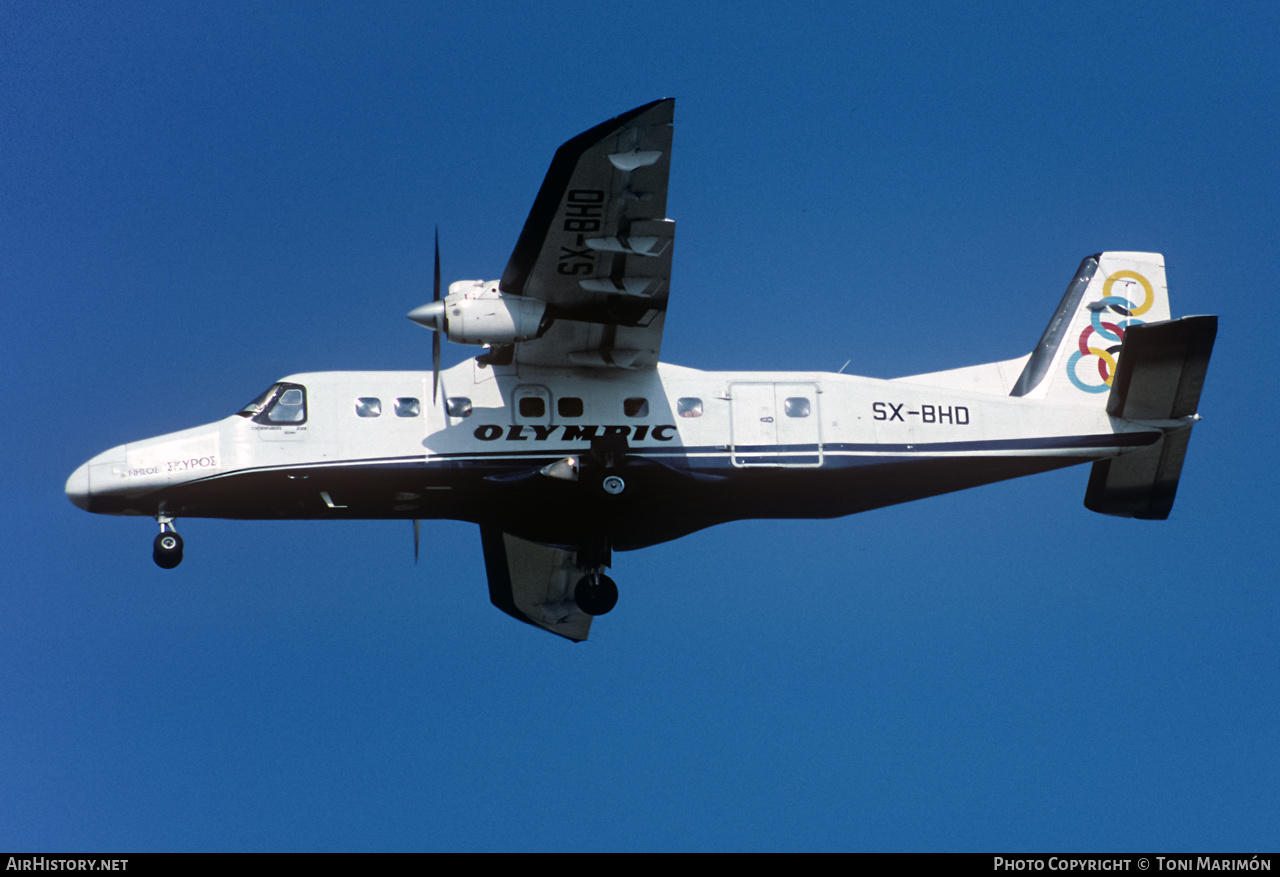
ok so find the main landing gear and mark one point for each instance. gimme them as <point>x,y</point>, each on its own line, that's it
<point>596,593</point>
<point>166,551</point>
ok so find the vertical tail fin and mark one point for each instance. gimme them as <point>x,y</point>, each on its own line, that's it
<point>1111,342</point>
<point>1076,356</point>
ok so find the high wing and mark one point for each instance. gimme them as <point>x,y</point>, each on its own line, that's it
<point>534,583</point>
<point>597,246</point>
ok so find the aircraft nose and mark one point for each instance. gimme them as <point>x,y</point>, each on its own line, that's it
<point>78,487</point>
<point>95,475</point>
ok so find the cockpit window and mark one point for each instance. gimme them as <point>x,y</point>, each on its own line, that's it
<point>282,403</point>
<point>290,407</point>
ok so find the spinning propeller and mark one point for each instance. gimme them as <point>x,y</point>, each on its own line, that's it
<point>433,317</point>
<point>438,307</point>
<point>435,336</point>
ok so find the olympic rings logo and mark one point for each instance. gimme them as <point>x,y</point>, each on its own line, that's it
<point>1110,334</point>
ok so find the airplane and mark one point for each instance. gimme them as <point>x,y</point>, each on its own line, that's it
<point>566,439</point>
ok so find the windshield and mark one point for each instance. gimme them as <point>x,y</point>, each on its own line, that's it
<point>282,403</point>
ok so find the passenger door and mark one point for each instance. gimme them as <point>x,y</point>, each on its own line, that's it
<point>774,425</point>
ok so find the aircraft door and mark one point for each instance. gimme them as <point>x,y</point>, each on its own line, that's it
<point>753,426</point>
<point>799,424</point>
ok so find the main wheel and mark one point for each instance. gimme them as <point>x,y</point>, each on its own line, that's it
<point>166,551</point>
<point>596,595</point>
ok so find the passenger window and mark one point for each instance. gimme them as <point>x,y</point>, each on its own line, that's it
<point>635,407</point>
<point>458,406</point>
<point>569,406</point>
<point>689,406</point>
<point>796,406</point>
<point>367,406</point>
<point>532,406</point>
<point>407,406</point>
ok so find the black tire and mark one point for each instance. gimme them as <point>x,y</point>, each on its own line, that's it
<point>166,551</point>
<point>596,595</point>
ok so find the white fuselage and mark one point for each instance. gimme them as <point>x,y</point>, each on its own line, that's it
<point>695,448</point>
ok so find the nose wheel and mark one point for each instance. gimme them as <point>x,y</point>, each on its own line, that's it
<point>166,551</point>
<point>596,594</point>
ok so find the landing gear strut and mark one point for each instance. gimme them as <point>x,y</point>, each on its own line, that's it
<point>166,551</point>
<point>595,593</point>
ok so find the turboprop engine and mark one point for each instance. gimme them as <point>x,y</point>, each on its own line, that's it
<point>475,312</point>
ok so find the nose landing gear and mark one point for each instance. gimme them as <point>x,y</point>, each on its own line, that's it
<point>166,551</point>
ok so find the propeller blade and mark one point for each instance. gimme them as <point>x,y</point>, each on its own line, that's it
<point>417,533</point>
<point>435,367</point>
<point>435,345</point>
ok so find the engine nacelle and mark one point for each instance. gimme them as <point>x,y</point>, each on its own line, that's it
<point>475,312</point>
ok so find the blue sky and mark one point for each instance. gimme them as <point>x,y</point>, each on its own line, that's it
<point>198,201</point>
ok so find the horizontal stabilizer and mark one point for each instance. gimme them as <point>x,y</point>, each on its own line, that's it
<point>1142,484</point>
<point>1159,376</point>
<point>1161,369</point>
